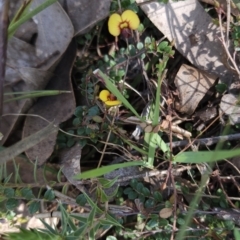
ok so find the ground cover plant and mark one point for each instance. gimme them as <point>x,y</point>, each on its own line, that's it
<point>121,122</point>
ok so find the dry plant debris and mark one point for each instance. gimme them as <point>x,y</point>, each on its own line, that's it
<point>128,89</point>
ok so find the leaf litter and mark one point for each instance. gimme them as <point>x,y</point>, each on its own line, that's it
<point>49,64</point>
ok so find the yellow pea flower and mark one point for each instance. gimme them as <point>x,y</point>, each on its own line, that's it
<point>108,98</point>
<point>121,24</point>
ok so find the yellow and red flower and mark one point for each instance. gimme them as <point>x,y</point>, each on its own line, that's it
<point>108,98</point>
<point>118,24</point>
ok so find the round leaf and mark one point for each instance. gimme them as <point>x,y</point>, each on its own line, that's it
<point>166,213</point>
<point>11,203</point>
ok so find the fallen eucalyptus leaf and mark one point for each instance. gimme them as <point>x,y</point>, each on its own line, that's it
<point>70,162</point>
<point>86,13</point>
<point>192,85</point>
<point>30,67</point>
<point>230,106</point>
<point>26,143</point>
<point>193,32</point>
<point>56,108</point>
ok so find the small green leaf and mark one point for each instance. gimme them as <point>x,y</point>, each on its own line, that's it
<point>140,27</point>
<point>81,200</point>
<point>132,195</point>
<point>79,112</point>
<point>49,195</point>
<point>76,122</point>
<point>70,142</point>
<point>147,40</point>
<point>27,193</point>
<point>9,192</point>
<point>162,46</point>
<point>158,197</point>
<point>139,187</point>
<point>221,87</point>
<point>149,203</point>
<point>180,221</point>
<point>153,223</point>
<point>11,203</point>
<point>134,183</point>
<point>229,225</point>
<point>127,190</point>
<point>140,45</point>
<point>33,207</point>
<point>163,222</point>
<point>145,191</point>
<point>132,50</point>
<point>93,111</point>
<point>97,119</point>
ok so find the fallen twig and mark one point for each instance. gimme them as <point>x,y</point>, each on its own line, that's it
<point>207,141</point>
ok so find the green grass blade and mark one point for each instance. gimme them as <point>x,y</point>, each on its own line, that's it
<point>91,216</point>
<point>21,11</point>
<point>153,139</point>
<point>134,146</point>
<point>13,27</point>
<point>236,233</point>
<point>103,170</point>
<point>34,94</point>
<point>109,220</point>
<point>64,219</point>
<point>205,156</point>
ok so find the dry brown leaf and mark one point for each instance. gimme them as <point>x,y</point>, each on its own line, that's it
<point>29,67</point>
<point>70,162</point>
<point>172,199</point>
<point>57,108</point>
<point>230,106</point>
<point>193,32</point>
<point>164,124</point>
<point>166,213</point>
<point>192,85</point>
<point>163,186</point>
<point>55,31</point>
<point>86,13</point>
<point>10,152</point>
<point>148,129</point>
